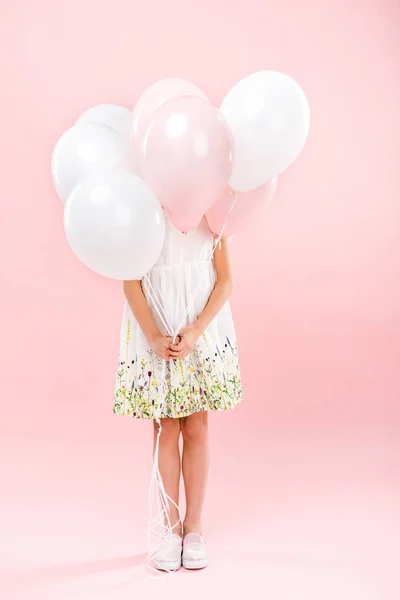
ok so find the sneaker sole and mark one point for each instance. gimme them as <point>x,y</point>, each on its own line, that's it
<point>195,564</point>
<point>167,565</point>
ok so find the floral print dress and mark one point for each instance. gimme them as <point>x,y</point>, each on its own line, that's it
<point>177,289</point>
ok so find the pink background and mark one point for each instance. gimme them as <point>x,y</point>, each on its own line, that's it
<point>304,487</point>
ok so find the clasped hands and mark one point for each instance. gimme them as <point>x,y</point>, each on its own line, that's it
<point>162,344</point>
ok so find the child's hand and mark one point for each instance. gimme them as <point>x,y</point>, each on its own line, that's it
<point>160,344</point>
<point>188,337</point>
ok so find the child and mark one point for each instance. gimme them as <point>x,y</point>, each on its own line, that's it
<point>185,293</point>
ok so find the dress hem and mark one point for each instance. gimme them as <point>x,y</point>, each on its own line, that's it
<point>205,408</point>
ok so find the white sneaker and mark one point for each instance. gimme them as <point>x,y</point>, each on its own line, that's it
<point>169,553</point>
<point>194,554</point>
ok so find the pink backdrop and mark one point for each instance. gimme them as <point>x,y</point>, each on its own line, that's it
<point>304,481</point>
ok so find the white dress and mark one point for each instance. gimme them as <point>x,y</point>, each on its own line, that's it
<point>177,289</point>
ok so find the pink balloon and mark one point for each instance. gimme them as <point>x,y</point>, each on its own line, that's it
<point>187,156</point>
<point>247,208</point>
<point>155,95</point>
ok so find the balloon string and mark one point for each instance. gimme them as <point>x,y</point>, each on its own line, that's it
<point>165,322</point>
<point>157,491</point>
<point>179,284</point>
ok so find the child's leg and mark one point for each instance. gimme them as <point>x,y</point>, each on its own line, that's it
<point>195,462</point>
<point>169,464</point>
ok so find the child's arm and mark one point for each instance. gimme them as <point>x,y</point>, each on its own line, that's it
<point>217,299</point>
<point>142,313</point>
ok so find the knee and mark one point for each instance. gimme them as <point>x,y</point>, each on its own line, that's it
<point>195,427</point>
<point>170,430</point>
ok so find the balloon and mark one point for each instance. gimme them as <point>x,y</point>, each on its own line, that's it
<point>187,155</point>
<point>269,116</point>
<point>114,224</point>
<point>246,209</point>
<point>111,115</point>
<point>83,149</point>
<point>155,95</point>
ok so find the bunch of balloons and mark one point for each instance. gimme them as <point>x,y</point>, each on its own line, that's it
<point>116,170</point>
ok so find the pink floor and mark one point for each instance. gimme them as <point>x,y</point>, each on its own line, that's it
<point>303,498</point>
<point>289,515</point>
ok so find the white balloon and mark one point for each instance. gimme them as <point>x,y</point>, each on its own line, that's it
<point>115,224</point>
<point>83,149</point>
<point>112,115</point>
<point>269,117</point>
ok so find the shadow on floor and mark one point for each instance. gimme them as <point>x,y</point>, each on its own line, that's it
<point>51,574</point>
